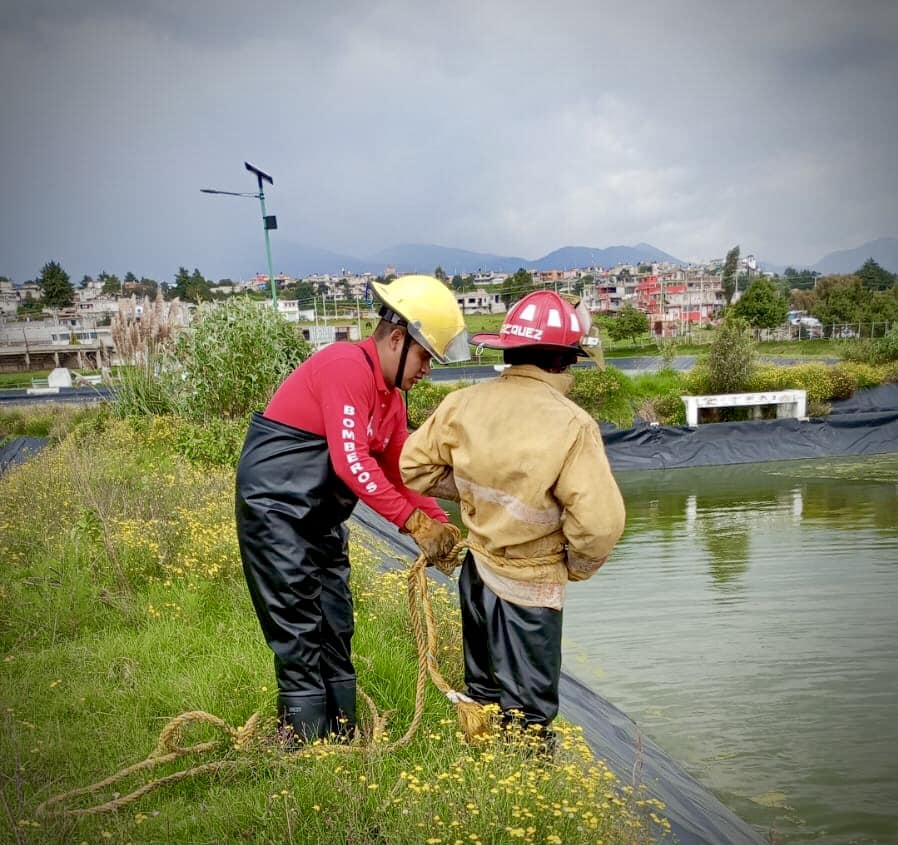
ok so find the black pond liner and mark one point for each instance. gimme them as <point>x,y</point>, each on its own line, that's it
<point>19,449</point>
<point>696,816</point>
<point>843,432</point>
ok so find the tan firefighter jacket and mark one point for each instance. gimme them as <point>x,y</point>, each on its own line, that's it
<point>529,469</point>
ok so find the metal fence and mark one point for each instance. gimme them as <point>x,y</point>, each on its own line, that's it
<point>830,331</point>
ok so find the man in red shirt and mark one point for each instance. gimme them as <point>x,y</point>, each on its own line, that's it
<point>331,435</point>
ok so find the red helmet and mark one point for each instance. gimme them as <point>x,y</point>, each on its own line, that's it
<point>542,318</point>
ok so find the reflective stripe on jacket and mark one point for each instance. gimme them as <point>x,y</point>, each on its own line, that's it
<point>536,491</point>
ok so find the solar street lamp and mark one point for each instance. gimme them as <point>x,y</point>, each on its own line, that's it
<point>269,221</point>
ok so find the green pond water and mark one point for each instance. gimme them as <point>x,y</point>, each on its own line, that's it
<point>748,622</point>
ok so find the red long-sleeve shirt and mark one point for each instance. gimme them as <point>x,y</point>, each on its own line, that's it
<point>340,395</point>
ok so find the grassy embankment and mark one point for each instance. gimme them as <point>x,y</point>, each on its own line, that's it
<point>124,605</point>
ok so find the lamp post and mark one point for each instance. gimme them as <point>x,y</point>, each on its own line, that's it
<point>268,221</point>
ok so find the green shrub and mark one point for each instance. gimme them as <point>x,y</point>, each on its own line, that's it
<point>698,380</point>
<point>423,399</point>
<point>666,410</point>
<point>216,442</point>
<point>593,387</point>
<point>814,378</point>
<point>730,357</point>
<point>232,358</point>
<point>864,375</point>
<point>844,382</point>
<point>885,349</point>
<point>667,351</point>
<point>857,350</point>
<point>768,377</point>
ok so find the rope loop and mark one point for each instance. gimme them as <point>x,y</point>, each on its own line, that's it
<point>169,746</point>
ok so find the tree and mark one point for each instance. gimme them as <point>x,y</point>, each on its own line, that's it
<point>762,305</point>
<point>111,284</point>
<point>803,280</point>
<point>728,280</point>
<point>130,279</point>
<point>441,275</point>
<point>182,283</point>
<point>305,293</point>
<point>199,286</point>
<point>803,300</point>
<point>457,282</point>
<point>516,286</point>
<point>147,287</point>
<point>629,322</point>
<point>875,277</point>
<point>191,287</point>
<point>55,286</point>
<point>840,299</point>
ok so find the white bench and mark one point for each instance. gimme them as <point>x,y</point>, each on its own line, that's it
<point>789,403</point>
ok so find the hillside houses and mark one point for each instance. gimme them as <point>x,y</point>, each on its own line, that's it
<point>337,306</point>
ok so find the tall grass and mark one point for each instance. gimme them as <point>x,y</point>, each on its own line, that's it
<point>123,605</point>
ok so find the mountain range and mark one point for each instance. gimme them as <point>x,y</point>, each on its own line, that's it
<point>884,251</point>
<point>301,260</point>
<point>297,259</point>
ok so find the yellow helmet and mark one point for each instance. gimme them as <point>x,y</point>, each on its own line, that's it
<point>431,314</point>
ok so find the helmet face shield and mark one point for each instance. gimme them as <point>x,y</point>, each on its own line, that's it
<point>456,349</point>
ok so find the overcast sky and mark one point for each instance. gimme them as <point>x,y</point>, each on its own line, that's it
<point>506,127</point>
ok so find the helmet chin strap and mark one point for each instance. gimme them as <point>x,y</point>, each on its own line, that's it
<point>400,370</point>
<point>406,344</point>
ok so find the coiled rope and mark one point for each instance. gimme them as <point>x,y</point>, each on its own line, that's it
<point>472,717</point>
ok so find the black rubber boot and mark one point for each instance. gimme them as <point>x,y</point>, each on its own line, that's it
<point>341,710</point>
<point>302,717</point>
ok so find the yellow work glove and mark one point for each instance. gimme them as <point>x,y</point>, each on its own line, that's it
<point>434,538</point>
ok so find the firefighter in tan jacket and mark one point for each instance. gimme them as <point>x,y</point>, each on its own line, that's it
<point>536,495</point>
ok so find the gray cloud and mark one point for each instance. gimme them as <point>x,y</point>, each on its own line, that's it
<point>501,127</point>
